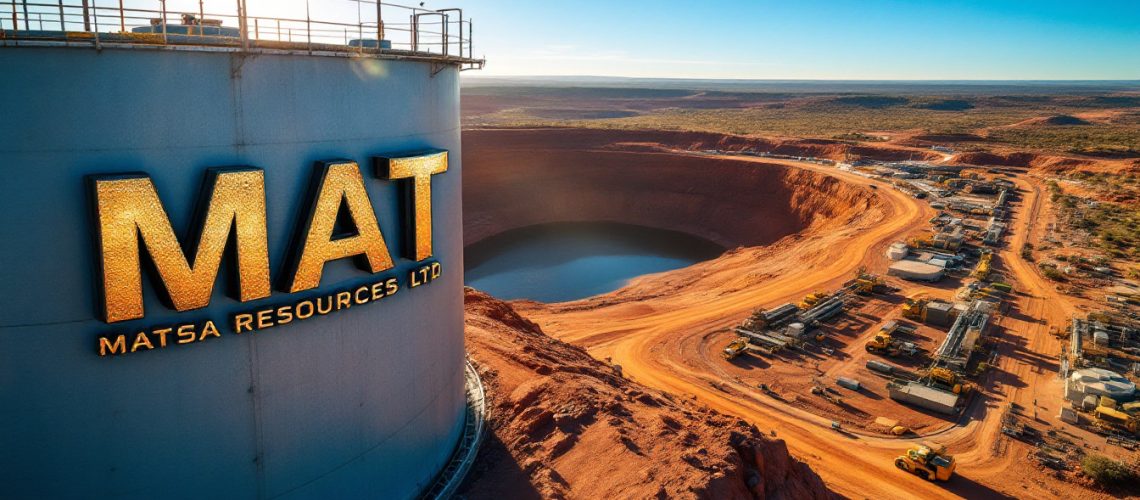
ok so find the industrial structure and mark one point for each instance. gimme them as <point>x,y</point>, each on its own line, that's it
<point>372,400</point>
<point>1102,368</point>
<point>789,325</point>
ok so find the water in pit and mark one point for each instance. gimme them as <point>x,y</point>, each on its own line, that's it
<point>568,261</point>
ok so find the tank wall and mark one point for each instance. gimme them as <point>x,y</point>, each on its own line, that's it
<point>367,400</point>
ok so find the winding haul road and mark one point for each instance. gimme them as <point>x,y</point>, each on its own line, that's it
<point>645,336</point>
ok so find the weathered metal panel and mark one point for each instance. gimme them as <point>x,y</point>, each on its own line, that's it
<point>366,401</point>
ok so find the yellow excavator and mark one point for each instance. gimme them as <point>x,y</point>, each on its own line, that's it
<point>928,460</point>
<point>914,307</point>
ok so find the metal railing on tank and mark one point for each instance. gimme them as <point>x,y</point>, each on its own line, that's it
<point>342,26</point>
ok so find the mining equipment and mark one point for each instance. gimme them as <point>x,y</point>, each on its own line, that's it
<point>928,460</point>
<point>900,430</point>
<point>1110,418</point>
<point>914,307</point>
<point>978,291</point>
<point>736,348</point>
<point>820,390</point>
<point>947,379</point>
<point>822,311</point>
<point>884,343</point>
<point>761,319</point>
<point>999,289</point>
<point>982,271</point>
<point>770,342</point>
<point>866,283</point>
<point>812,299</point>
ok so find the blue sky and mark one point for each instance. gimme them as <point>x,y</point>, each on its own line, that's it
<point>798,39</point>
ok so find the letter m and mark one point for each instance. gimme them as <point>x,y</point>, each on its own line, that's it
<point>129,212</point>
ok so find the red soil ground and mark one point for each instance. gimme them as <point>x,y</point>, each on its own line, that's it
<point>564,424</point>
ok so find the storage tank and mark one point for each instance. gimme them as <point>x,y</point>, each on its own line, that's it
<point>795,330</point>
<point>880,366</point>
<point>897,250</point>
<point>848,383</point>
<point>117,158</point>
<point>915,270</point>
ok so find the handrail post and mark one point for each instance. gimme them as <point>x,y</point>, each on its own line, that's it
<point>62,27</point>
<point>95,17</point>
<point>243,24</point>
<point>86,17</point>
<point>26,16</point>
<point>122,18</point>
<point>163,2</point>
<point>446,39</point>
<point>379,22</point>
<point>415,32</point>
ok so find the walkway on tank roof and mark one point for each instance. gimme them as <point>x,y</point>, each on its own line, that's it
<point>345,28</point>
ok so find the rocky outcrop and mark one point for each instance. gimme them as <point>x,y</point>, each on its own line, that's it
<point>564,425</point>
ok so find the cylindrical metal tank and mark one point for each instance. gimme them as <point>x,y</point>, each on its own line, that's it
<point>367,401</point>
<point>880,366</point>
<point>848,383</point>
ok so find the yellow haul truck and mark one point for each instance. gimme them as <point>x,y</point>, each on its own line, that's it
<point>928,460</point>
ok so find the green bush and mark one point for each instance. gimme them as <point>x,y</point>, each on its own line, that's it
<point>1052,273</point>
<point>1108,472</point>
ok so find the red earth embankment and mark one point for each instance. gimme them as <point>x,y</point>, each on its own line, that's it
<point>1048,163</point>
<point>566,425</point>
<point>521,177</point>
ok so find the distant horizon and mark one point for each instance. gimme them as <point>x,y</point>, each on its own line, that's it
<point>471,83</point>
<point>797,80</point>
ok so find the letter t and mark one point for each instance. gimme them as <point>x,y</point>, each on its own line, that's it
<point>419,167</point>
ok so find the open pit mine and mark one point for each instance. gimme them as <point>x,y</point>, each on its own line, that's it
<point>800,327</point>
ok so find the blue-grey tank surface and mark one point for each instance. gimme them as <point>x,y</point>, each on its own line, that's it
<point>367,401</point>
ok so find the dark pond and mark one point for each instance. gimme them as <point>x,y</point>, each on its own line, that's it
<point>568,261</point>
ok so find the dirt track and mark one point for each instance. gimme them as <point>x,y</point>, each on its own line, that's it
<point>642,328</point>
